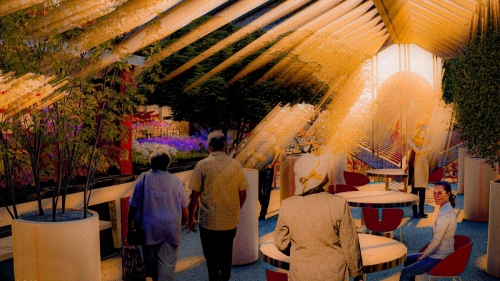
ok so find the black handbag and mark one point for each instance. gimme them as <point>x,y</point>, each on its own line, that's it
<point>137,236</point>
<point>133,268</point>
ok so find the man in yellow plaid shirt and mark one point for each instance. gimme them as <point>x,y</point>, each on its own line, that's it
<point>219,187</point>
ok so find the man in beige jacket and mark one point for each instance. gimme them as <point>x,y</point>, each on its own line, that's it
<point>318,231</point>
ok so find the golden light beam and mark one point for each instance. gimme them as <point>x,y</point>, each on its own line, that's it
<point>290,24</point>
<point>126,17</point>
<point>11,6</point>
<point>282,10</point>
<point>165,25</point>
<point>227,15</point>
<point>291,41</point>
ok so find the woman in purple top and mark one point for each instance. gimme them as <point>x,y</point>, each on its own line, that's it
<point>164,203</point>
<point>442,243</point>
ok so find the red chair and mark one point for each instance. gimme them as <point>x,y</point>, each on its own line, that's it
<point>276,275</point>
<point>355,179</point>
<point>455,263</point>
<point>341,188</point>
<point>437,175</point>
<point>391,219</point>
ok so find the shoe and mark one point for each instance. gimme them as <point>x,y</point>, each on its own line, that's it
<point>415,214</point>
<point>422,215</point>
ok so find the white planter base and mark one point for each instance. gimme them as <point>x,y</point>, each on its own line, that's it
<point>246,241</point>
<point>53,251</point>
<point>478,174</point>
<point>493,249</point>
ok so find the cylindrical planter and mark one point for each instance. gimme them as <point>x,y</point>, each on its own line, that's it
<point>493,258</point>
<point>477,176</point>
<point>53,251</point>
<point>246,241</point>
<point>287,176</point>
<point>462,153</point>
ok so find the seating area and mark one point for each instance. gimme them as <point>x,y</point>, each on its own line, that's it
<point>191,265</point>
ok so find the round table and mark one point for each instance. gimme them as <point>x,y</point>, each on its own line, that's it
<point>387,173</point>
<point>378,253</point>
<point>379,199</point>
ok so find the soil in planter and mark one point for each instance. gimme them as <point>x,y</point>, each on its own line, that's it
<point>69,215</point>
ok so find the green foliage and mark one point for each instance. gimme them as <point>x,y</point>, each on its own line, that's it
<point>472,83</point>
<point>76,135</point>
<point>216,104</point>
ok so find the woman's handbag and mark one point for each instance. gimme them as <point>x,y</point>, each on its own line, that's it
<point>133,268</point>
<point>137,236</point>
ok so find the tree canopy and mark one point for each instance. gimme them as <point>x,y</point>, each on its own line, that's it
<point>216,104</point>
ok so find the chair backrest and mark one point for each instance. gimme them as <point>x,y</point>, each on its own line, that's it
<point>455,263</point>
<point>341,188</point>
<point>275,275</point>
<point>437,175</point>
<point>391,219</point>
<point>355,179</point>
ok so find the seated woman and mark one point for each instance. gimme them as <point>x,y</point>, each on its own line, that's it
<point>442,243</point>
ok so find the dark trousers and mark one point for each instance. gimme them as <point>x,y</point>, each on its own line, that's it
<point>218,251</point>
<point>414,267</point>
<point>266,178</point>
<point>420,191</point>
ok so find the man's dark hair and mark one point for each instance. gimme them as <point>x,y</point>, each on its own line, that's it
<point>160,161</point>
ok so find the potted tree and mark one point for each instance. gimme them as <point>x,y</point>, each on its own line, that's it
<point>56,124</point>
<point>472,83</point>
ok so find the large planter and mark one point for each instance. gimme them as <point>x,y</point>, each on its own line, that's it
<point>493,258</point>
<point>53,251</point>
<point>477,177</point>
<point>246,241</point>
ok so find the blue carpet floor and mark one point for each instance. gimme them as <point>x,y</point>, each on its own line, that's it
<point>416,233</point>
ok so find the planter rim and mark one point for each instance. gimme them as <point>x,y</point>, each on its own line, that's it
<point>93,214</point>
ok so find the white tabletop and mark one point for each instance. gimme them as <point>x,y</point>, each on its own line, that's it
<point>387,172</point>
<point>378,253</point>
<point>379,199</point>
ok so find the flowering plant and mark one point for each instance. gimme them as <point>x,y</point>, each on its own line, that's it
<point>177,147</point>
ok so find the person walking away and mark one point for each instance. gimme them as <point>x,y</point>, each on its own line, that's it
<point>164,203</point>
<point>219,187</point>
<point>266,178</point>
<point>443,233</point>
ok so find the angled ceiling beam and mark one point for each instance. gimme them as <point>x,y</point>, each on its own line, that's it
<point>455,9</point>
<point>468,4</point>
<point>361,34</point>
<point>384,15</point>
<point>299,19</point>
<point>278,12</point>
<point>331,21</point>
<point>430,39</point>
<point>432,15</point>
<point>223,17</point>
<point>363,29</point>
<point>441,11</point>
<point>444,37</point>
<point>433,49</point>
<point>11,6</point>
